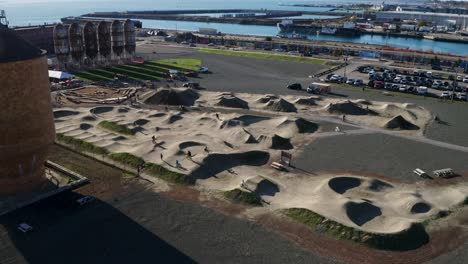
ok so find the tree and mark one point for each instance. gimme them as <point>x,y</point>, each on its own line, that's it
<point>422,23</point>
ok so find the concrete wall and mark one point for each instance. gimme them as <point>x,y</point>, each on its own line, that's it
<point>26,122</point>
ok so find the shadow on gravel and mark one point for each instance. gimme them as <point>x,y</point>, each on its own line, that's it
<point>93,233</point>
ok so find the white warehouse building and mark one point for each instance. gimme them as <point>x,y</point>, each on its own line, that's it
<point>437,18</point>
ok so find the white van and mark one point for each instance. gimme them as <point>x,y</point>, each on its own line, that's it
<point>422,90</point>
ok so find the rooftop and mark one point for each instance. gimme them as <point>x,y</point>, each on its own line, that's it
<point>15,48</point>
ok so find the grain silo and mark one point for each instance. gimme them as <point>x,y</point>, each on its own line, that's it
<point>130,42</point>
<point>61,44</point>
<point>104,40</point>
<point>118,42</point>
<point>90,41</point>
<point>75,35</point>
<point>26,118</point>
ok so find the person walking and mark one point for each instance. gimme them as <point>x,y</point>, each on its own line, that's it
<point>161,155</point>
<point>344,118</point>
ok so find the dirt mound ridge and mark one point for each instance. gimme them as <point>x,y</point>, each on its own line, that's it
<point>85,126</point>
<point>101,110</point>
<point>230,123</point>
<point>188,144</point>
<point>266,187</point>
<point>420,208</point>
<point>157,115</point>
<point>266,98</point>
<point>64,113</point>
<point>232,102</point>
<point>167,96</point>
<point>88,118</point>
<point>400,123</point>
<point>342,184</point>
<point>348,108</point>
<point>123,110</point>
<point>299,125</point>
<point>280,105</point>
<point>307,101</point>
<point>216,162</point>
<point>140,122</point>
<point>244,136</point>
<point>250,119</point>
<point>361,213</point>
<point>275,142</point>
<point>173,118</point>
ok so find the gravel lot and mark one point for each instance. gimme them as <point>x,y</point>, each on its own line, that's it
<point>378,154</point>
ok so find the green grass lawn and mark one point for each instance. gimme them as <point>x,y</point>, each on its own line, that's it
<point>259,55</point>
<point>240,196</point>
<point>151,70</point>
<point>114,127</point>
<point>81,145</point>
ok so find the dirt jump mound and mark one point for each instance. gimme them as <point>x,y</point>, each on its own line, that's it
<point>361,213</point>
<point>266,98</point>
<point>244,136</point>
<point>217,162</point>
<point>88,118</point>
<point>400,123</point>
<point>101,110</point>
<point>248,120</point>
<point>306,101</point>
<point>230,123</point>
<point>348,108</point>
<point>64,113</point>
<point>165,96</point>
<point>123,110</point>
<point>266,187</point>
<point>232,102</point>
<point>173,118</point>
<point>299,125</point>
<point>157,115</point>
<point>188,144</point>
<point>342,184</point>
<point>275,142</point>
<point>140,122</point>
<point>279,105</point>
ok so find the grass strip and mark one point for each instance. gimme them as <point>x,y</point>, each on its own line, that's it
<point>258,55</point>
<point>114,127</point>
<point>127,159</point>
<point>81,145</point>
<point>408,239</point>
<point>240,196</point>
<point>168,175</point>
<point>187,64</point>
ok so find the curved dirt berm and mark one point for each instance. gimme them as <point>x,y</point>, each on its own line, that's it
<point>361,213</point>
<point>275,142</point>
<point>101,110</point>
<point>215,163</point>
<point>64,113</point>
<point>232,101</point>
<point>266,98</point>
<point>348,108</point>
<point>280,105</point>
<point>342,184</point>
<point>247,120</point>
<point>168,96</point>
<point>306,101</point>
<point>400,123</point>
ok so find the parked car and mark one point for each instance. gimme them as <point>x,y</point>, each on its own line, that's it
<point>211,44</point>
<point>203,70</point>
<point>445,95</point>
<point>402,88</point>
<point>192,45</point>
<point>388,86</point>
<point>378,84</point>
<point>84,200</point>
<point>350,81</point>
<point>191,85</point>
<point>461,96</point>
<point>358,82</point>
<point>25,228</point>
<point>465,80</point>
<point>191,74</point>
<point>421,90</point>
<point>459,78</point>
<point>294,86</point>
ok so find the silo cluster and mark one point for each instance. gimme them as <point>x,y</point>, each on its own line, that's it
<point>103,43</point>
